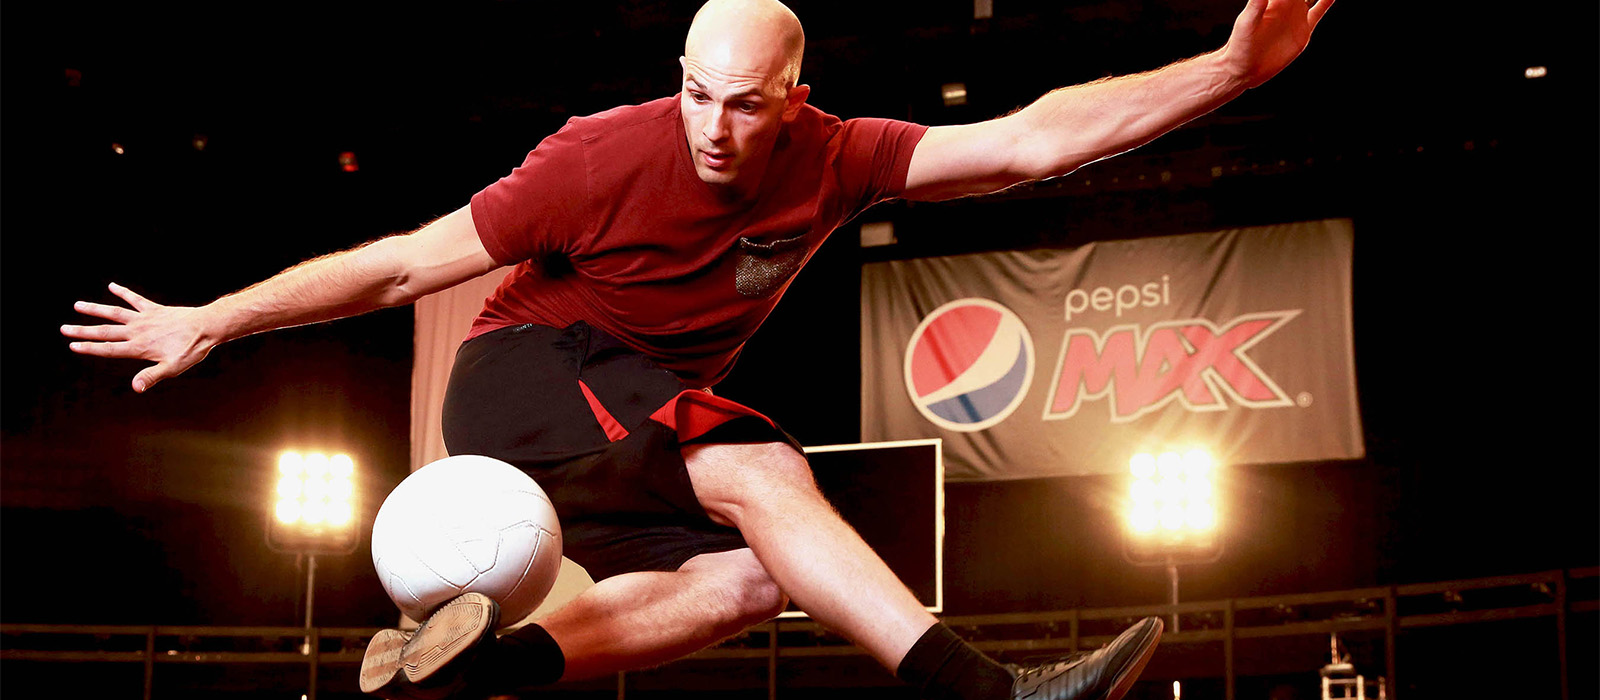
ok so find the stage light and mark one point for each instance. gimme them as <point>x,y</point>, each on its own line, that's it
<point>1171,517</point>
<point>341,489</point>
<point>1172,521</point>
<point>316,490</point>
<point>117,149</point>
<point>1144,518</point>
<point>1170,490</point>
<point>315,514</point>
<point>878,233</point>
<point>347,162</point>
<point>954,94</point>
<point>1144,493</point>
<point>1172,509</point>
<point>315,503</point>
<point>1535,72</point>
<point>341,514</point>
<point>1144,465</point>
<point>1169,464</point>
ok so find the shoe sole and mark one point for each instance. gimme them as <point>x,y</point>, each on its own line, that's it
<point>453,629</point>
<point>381,663</point>
<point>1125,682</point>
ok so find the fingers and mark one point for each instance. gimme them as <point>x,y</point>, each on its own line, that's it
<point>102,333</point>
<point>109,313</point>
<point>1317,11</point>
<point>149,376</point>
<point>128,295</point>
<point>142,381</point>
<point>116,349</point>
<point>1246,23</point>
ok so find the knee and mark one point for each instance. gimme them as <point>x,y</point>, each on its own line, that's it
<point>759,598</point>
<point>742,588</point>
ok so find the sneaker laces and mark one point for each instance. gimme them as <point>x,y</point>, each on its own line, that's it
<point>1032,666</point>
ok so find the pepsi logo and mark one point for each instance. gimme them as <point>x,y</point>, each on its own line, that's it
<point>969,364</point>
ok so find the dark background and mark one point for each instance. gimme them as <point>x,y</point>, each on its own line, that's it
<point>1473,192</point>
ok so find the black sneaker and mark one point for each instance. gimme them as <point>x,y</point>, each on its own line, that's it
<point>1104,674</point>
<point>422,665</point>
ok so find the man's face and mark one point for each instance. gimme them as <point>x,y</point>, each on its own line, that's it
<point>731,118</point>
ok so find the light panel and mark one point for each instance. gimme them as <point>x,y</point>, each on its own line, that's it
<point>315,502</point>
<point>1172,500</point>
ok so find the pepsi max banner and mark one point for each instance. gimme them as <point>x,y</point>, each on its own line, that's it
<point>1064,362</point>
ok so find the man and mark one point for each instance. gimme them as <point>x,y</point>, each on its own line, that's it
<point>650,242</point>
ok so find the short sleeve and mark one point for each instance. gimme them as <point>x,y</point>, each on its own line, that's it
<point>540,208</point>
<point>874,157</point>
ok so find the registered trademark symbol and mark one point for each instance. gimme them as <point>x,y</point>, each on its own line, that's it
<point>1303,400</point>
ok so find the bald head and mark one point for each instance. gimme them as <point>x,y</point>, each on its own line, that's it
<point>741,72</point>
<point>748,36</point>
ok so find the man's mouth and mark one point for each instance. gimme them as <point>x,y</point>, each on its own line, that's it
<point>716,160</point>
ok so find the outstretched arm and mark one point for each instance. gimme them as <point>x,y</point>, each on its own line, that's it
<point>387,272</point>
<point>1075,126</point>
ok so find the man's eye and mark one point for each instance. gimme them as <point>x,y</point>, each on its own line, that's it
<point>698,97</point>
<point>746,107</point>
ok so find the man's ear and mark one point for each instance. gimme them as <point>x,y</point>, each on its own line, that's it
<point>795,100</point>
<point>683,62</point>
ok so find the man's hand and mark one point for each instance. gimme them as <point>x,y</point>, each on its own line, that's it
<point>1268,35</point>
<point>173,337</point>
<point>1074,126</point>
<point>388,272</point>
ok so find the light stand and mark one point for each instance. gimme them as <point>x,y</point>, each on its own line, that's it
<point>311,589</point>
<point>314,514</point>
<point>1172,577</point>
<point>1172,518</point>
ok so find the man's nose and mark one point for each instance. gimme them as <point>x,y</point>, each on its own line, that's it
<point>716,128</point>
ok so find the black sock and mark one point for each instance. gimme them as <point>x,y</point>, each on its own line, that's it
<point>525,658</point>
<point>944,667</point>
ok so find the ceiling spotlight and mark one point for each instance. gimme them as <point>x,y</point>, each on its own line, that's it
<point>1535,72</point>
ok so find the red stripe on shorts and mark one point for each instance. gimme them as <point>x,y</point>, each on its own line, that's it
<point>608,423</point>
<point>695,413</point>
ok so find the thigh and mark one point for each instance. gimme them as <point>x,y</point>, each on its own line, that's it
<point>575,409</point>
<point>731,478</point>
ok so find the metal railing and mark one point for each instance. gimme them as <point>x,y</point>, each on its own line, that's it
<point>1389,609</point>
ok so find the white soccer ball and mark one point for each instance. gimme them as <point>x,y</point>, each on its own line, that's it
<point>467,524</point>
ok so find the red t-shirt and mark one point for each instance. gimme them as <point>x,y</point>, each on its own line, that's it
<point>607,223</point>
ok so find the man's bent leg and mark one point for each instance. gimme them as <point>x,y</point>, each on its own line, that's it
<point>648,618</point>
<point>767,491</point>
<point>626,622</point>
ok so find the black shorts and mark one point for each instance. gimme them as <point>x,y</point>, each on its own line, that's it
<point>599,426</point>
